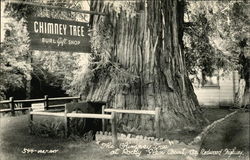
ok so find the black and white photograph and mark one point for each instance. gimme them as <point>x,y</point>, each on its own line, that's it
<point>125,80</point>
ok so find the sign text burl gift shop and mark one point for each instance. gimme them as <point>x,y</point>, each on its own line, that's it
<point>58,35</point>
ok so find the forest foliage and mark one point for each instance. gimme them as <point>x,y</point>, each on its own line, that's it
<point>20,65</point>
<point>14,65</point>
<point>214,38</point>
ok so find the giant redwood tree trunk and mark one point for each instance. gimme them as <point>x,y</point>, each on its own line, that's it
<point>145,67</point>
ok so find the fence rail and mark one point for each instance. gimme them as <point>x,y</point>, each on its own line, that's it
<point>130,111</point>
<point>29,100</point>
<point>63,98</point>
<point>47,113</point>
<point>57,106</point>
<point>5,101</point>
<point>83,115</point>
<point>44,100</point>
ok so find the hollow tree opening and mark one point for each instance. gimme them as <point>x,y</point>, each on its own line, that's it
<point>138,63</point>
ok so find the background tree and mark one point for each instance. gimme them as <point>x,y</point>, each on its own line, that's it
<point>217,40</point>
<point>38,72</point>
<point>15,69</point>
<point>202,58</point>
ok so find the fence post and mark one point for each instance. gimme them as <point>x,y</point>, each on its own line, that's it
<point>66,122</point>
<point>80,98</point>
<point>12,106</point>
<point>46,102</point>
<point>113,127</point>
<point>103,120</point>
<point>157,121</point>
<point>31,121</point>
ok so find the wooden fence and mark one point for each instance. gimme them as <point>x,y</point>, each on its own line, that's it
<point>44,100</point>
<point>155,112</point>
<point>68,115</point>
<point>103,116</point>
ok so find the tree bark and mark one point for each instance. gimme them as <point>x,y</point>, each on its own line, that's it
<point>28,81</point>
<point>243,94</point>
<point>148,46</point>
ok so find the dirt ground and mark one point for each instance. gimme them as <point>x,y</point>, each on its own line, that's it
<point>16,143</point>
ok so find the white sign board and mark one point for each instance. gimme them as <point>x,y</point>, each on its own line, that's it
<point>37,106</point>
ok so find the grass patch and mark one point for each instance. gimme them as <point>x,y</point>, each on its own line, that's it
<point>47,128</point>
<point>15,137</point>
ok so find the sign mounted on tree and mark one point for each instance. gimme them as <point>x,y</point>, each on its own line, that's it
<point>48,34</point>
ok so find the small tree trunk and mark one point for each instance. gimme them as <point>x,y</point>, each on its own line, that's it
<point>28,81</point>
<point>28,89</point>
<point>243,94</point>
<point>240,93</point>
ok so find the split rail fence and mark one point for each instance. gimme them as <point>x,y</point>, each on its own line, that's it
<point>12,103</point>
<point>45,111</point>
<point>112,117</point>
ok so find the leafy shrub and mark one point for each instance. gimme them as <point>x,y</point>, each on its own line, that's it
<point>47,128</point>
<point>86,137</point>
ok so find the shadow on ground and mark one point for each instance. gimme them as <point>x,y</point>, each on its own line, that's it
<point>233,133</point>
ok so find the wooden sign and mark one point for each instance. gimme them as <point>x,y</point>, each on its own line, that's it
<point>48,34</point>
<point>37,106</point>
